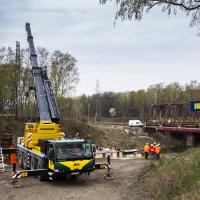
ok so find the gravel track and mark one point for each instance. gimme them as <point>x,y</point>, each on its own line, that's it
<point>124,185</point>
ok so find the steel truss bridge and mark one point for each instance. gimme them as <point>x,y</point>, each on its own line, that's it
<point>174,118</point>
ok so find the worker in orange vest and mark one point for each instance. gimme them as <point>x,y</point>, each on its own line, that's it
<point>157,151</point>
<point>13,158</point>
<point>146,150</point>
<point>152,150</point>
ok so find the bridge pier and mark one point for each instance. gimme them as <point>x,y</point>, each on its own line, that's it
<point>190,140</point>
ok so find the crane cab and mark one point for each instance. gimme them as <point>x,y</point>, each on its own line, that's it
<point>70,156</point>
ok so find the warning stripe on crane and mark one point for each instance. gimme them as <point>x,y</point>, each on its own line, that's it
<point>16,175</point>
<point>29,137</point>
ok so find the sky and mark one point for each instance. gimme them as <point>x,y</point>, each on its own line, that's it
<point>129,56</point>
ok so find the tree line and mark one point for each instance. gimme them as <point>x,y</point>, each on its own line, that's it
<point>17,94</point>
<point>17,98</point>
<point>136,104</point>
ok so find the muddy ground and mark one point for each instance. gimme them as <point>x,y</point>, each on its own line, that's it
<point>125,185</point>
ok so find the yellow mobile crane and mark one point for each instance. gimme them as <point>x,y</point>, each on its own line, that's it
<point>43,150</point>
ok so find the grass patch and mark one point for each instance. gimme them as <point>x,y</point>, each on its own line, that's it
<point>193,194</point>
<point>177,178</point>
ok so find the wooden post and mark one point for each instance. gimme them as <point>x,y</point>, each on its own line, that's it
<point>189,140</point>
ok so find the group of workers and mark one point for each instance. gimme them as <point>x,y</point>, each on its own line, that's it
<point>152,150</point>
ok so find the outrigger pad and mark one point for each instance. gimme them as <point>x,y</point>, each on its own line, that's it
<point>35,172</point>
<point>101,166</point>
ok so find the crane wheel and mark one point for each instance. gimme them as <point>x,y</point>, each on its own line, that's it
<point>73,177</point>
<point>33,163</point>
<point>20,160</point>
<point>24,162</point>
<point>41,177</point>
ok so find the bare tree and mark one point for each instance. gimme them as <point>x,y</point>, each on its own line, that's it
<point>43,57</point>
<point>64,73</point>
<point>129,9</point>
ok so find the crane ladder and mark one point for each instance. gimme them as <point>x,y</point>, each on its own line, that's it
<point>2,166</point>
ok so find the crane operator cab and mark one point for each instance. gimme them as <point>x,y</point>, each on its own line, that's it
<point>70,156</point>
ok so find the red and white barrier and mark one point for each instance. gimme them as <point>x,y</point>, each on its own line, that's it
<point>16,175</point>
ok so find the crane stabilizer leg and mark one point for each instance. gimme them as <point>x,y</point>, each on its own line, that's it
<point>27,173</point>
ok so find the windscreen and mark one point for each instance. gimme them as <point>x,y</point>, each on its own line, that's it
<point>73,150</point>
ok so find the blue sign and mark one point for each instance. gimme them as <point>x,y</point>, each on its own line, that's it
<point>195,105</point>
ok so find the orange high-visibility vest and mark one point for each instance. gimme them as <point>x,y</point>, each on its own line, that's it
<point>146,148</point>
<point>152,149</point>
<point>157,150</point>
<point>13,157</point>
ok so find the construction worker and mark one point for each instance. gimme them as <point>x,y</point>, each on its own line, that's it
<point>154,145</point>
<point>152,150</point>
<point>157,151</point>
<point>146,150</point>
<point>13,158</point>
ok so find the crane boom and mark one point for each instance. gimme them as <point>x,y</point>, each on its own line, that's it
<point>46,102</point>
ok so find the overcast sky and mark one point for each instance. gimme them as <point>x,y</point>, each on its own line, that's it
<point>130,56</point>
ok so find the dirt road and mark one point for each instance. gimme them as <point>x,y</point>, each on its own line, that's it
<point>125,185</point>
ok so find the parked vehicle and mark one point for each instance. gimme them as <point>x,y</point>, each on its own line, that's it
<point>135,123</point>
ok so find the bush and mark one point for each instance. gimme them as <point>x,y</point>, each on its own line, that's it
<point>177,178</point>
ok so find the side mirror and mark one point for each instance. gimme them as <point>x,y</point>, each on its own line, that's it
<point>50,150</point>
<point>94,148</point>
<point>51,153</point>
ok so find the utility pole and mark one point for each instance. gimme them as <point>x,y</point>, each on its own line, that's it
<point>17,76</point>
<point>75,115</point>
<point>88,113</point>
<point>97,99</point>
<point>88,110</point>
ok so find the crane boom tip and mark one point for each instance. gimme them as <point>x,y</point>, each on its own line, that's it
<point>27,25</point>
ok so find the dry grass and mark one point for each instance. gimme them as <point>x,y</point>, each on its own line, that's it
<point>194,194</point>
<point>178,178</point>
<point>105,137</point>
<point>110,137</point>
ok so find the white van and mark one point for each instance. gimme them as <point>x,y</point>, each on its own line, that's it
<point>135,123</point>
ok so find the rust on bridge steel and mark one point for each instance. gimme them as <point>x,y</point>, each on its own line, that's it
<point>173,115</point>
<point>178,130</point>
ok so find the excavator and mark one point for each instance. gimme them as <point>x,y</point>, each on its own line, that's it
<point>44,151</point>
